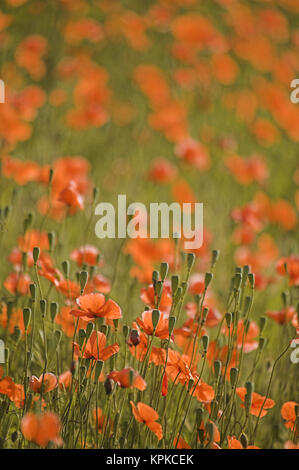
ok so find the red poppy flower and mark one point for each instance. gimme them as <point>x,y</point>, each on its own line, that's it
<point>122,378</point>
<point>95,306</point>
<point>147,415</point>
<point>257,402</point>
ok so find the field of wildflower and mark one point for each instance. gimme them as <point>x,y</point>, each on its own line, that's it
<point>139,343</point>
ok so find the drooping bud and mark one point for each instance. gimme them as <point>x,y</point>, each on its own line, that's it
<point>263,321</point>
<point>54,307</point>
<point>134,338</point>
<point>89,329</point>
<point>251,278</point>
<point>248,396</point>
<point>126,331</point>
<point>83,280</point>
<point>164,270</point>
<point>98,370</point>
<point>215,257</point>
<point>171,324</point>
<point>217,368</point>
<point>81,337</point>
<point>155,318</point>
<point>43,307</point>
<point>26,316</point>
<point>32,288</point>
<point>36,253</point>
<point>208,279</point>
<point>190,260</point>
<point>66,268</point>
<point>175,279</point>
<point>228,319</point>
<point>233,375</point>
<point>51,240</point>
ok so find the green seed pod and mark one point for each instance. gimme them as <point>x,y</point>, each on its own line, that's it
<point>190,260</point>
<point>244,440</point>
<point>228,319</point>
<point>66,268</point>
<point>51,240</point>
<point>238,280</point>
<point>245,272</point>
<point>36,253</point>
<point>32,288</point>
<point>171,324</point>
<point>262,323</point>
<point>81,337</point>
<point>159,288</point>
<point>126,331</point>
<point>26,316</point>
<point>248,396</point>
<point>208,279</point>
<point>57,338</point>
<point>215,257</point>
<point>175,280</point>
<point>233,376</point>
<point>51,174</point>
<point>116,323</point>
<point>210,432</point>
<point>17,334</point>
<point>98,370</point>
<point>43,307</point>
<point>83,280</point>
<point>199,416</point>
<point>205,342</point>
<point>204,314</point>
<point>164,270</point>
<point>251,280</point>
<point>54,307</point>
<point>89,329</point>
<point>185,286</point>
<point>262,343</point>
<point>190,384</point>
<point>155,276</point>
<point>217,368</point>
<point>155,318</point>
<point>284,298</point>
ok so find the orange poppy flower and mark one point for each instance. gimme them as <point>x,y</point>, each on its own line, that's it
<point>122,378</point>
<point>291,270</point>
<point>291,445</point>
<point>148,297</point>
<point>283,316</point>
<point>147,415</point>
<point>257,402</point>
<point>48,381</point>
<point>17,282</point>
<point>95,306</point>
<point>87,254</point>
<point>42,429</point>
<point>15,392</point>
<point>193,153</point>
<point>65,380</point>
<point>146,324</point>
<point>71,197</point>
<point>234,443</point>
<point>180,443</point>
<point>288,414</point>
<point>96,348</point>
<point>162,171</point>
<point>101,419</point>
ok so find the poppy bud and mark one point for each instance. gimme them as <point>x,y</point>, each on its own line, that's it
<point>36,253</point>
<point>66,268</point>
<point>95,193</point>
<point>210,432</point>
<point>233,375</point>
<point>43,307</point>
<point>17,334</point>
<point>215,257</point>
<point>175,279</point>
<point>134,338</point>
<point>199,415</point>
<point>205,343</point>
<point>81,337</point>
<point>208,278</point>
<point>178,294</point>
<point>155,276</point>
<point>204,314</point>
<point>248,396</point>
<point>164,270</point>
<point>115,323</point>
<point>251,280</point>
<point>57,338</point>
<point>245,272</point>
<point>32,288</point>
<point>83,280</point>
<point>247,303</point>
<point>284,299</point>
<point>262,343</point>
<point>244,440</point>
<point>190,260</point>
<point>155,318</point>
<point>238,280</point>
<point>190,384</point>
<point>51,240</point>
<point>217,368</point>
<point>15,436</point>
<point>228,319</point>
<point>214,407</point>
<point>98,370</point>
<point>51,174</point>
<point>26,316</point>
<point>263,321</point>
<point>89,329</point>
<point>53,310</point>
<point>126,331</point>
<point>108,384</point>
<point>159,288</point>
<point>171,324</point>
